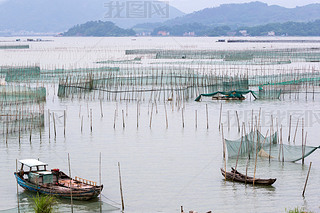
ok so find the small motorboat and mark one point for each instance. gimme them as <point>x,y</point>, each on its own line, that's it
<point>54,182</point>
<point>234,175</point>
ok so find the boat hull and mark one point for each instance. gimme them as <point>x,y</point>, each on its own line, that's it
<point>238,177</point>
<point>60,191</point>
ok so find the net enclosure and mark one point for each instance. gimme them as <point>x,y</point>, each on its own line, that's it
<point>254,142</point>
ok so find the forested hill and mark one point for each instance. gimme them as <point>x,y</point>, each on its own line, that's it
<point>98,28</point>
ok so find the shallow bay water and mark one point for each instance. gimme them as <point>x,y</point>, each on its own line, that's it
<point>162,168</point>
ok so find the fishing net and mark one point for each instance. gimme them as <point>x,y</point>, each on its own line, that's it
<point>13,94</point>
<point>254,142</point>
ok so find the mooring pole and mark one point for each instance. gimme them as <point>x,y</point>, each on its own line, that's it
<point>121,193</point>
<point>305,185</point>
<point>70,183</point>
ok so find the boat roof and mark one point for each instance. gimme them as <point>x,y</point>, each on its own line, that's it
<point>32,162</point>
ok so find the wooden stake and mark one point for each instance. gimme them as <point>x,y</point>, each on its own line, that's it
<point>165,109</point>
<point>151,116</point>
<point>271,139</point>
<point>114,119</point>
<point>64,122</point>
<point>295,133</point>
<point>305,184</point>
<point>54,126</point>
<point>196,120</point>
<point>70,182</point>
<point>81,123</point>
<point>207,116</point>
<point>289,129</point>
<point>223,142</point>
<point>182,117</point>
<point>49,121</point>
<point>101,110</point>
<point>302,132</point>
<point>17,187</point>
<point>123,122</point>
<point>91,120</point>
<point>138,114</point>
<point>220,116</point>
<point>238,121</point>
<point>100,182</point>
<point>122,202</point>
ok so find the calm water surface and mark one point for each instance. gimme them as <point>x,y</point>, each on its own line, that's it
<point>162,169</point>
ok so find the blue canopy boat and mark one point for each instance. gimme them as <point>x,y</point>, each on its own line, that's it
<point>54,182</point>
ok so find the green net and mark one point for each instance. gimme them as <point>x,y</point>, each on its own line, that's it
<point>255,142</point>
<point>14,47</point>
<point>21,94</point>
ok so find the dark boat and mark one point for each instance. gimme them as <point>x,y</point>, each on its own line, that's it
<point>54,182</point>
<point>234,175</point>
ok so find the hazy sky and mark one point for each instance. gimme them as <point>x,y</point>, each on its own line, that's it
<point>189,6</point>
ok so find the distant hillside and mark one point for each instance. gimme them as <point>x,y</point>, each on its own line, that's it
<point>60,15</point>
<point>98,28</point>
<point>288,29</point>
<point>247,14</point>
<point>273,29</point>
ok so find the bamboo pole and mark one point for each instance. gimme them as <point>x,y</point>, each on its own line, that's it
<point>91,120</point>
<point>271,139</point>
<point>238,121</point>
<point>305,184</point>
<point>196,119</point>
<point>70,182</point>
<point>17,187</point>
<point>220,117</point>
<point>49,121</point>
<point>137,114</point>
<point>121,193</point>
<point>224,153</point>
<point>295,133</point>
<point>207,116</point>
<point>100,182</point>
<point>20,129</point>
<point>151,116</point>
<point>114,119</point>
<point>101,108</point>
<point>302,132</point>
<point>81,123</point>
<point>64,122</point>
<point>165,109</point>
<point>289,129</point>
<point>123,122</point>
<point>54,126</point>
<point>182,117</point>
<point>281,141</point>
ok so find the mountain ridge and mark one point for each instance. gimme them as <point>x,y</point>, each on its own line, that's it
<point>245,14</point>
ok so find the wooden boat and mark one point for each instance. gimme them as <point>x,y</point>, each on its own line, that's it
<point>54,182</point>
<point>226,98</point>
<point>238,177</point>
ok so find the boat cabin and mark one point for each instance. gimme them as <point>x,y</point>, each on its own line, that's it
<point>37,172</point>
